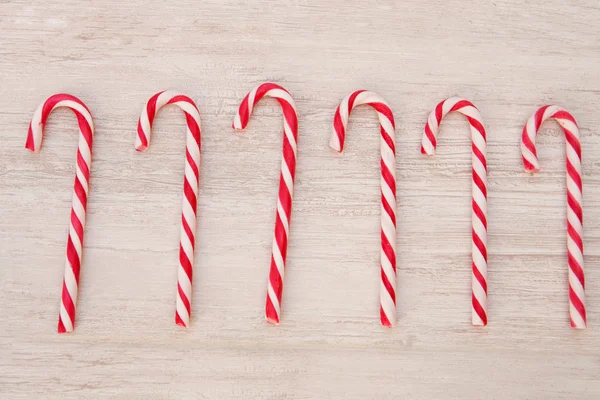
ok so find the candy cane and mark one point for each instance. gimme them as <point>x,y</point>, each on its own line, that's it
<point>387,294</point>
<point>190,189</point>
<point>574,199</point>
<point>286,186</point>
<point>479,202</point>
<point>66,318</point>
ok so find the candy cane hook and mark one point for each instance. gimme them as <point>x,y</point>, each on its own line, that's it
<point>479,202</point>
<point>66,318</point>
<point>286,186</point>
<point>190,189</point>
<point>574,199</point>
<point>387,294</point>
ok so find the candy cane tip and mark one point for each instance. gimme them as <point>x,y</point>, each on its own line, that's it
<point>335,143</point>
<point>428,153</point>
<point>575,326</point>
<point>272,320</point>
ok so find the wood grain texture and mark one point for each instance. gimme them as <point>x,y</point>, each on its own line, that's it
<point>508,57</point>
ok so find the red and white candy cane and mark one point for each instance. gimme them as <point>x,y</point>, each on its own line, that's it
<point>387,294</point>
<point>66,318</point>
<point>190,189</point>
<point>574,199</point>
<point>479,202</point>
<point>286,186</point>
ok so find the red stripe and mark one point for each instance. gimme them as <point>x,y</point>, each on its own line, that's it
<point>189,232</point>
<point>192,163</point>
<point>538,116</point>
<point>479,244</point>
<point>575,206</point>
<point>385,110</point>
<point>339,127</point>
<point>479,309</point>
<point>79,191</point>
<point>275,280</point>
<point>578,305</point>
<point>61,326</point>
<point>271,312</point>
<point>388,250</point>
<point>479,213</point>
<point>563,114</point>
<point>577,270</point>
<point>384,320</point>
<point>193,127</point>
<point>388,140</point>
<point>77,226</point>
<point>460,104</point>
<point>479,155</point>
<point>73,258</point>
<point>388,177</point>
<point>289,156</point>
<point>388,209</point>
<point>86,130</point>
<point>439,112</point>
<point>477,275</point>
<point>189,194</point>
<point>477,181</point>
<point>68,303</point>
<point>280,238</point>
<point>388,286</point>
<point>430,137</point>
<point>529,146</point>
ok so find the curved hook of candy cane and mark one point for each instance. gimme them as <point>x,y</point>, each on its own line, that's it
<point>387,295</point>
<point>286,186</point>
<point>479,194</point>
<point>190,189</point>
<point>574,199</point>
<point>66,319</point>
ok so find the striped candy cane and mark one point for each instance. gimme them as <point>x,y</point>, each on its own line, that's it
<point>387,294</point>
<point>286,186</point>
<point>190,189</point>
<point>574,200</point>
<point>66,318</point>
<point>479,202</point>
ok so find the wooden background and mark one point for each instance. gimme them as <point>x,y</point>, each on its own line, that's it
<point>509,57</point>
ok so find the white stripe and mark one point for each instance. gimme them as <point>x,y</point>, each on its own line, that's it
<point>281,94</point>
<point>287,177</point>
<point>66,320</point>
<point>184,283</point>
<point>70,282</point>
<point>273,298</point>
<point>283,217</point>
<point>79,108</point>
<point>577,320</point>
<point>387,304</point>
<point>182,311</point>
<point>278,258</point>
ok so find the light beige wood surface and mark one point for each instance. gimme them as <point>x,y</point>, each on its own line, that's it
<point>508,57</point>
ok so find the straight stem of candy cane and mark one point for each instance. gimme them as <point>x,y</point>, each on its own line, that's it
<point>577,310</point>
<point>387,295</point>
<point>479,193</point>
<point>66,319</point>
<point>190,189</point>
<point>286,186</point>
